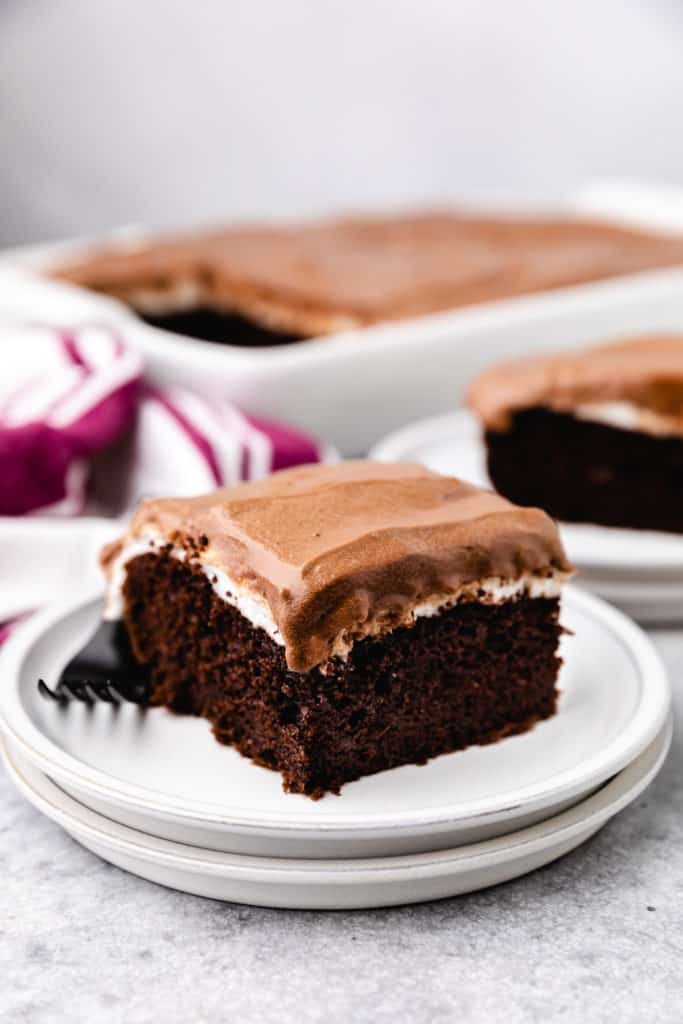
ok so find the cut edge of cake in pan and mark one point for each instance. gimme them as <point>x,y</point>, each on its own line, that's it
<point>335,621</point>
<point>256,285</point>
<point>591,436</point>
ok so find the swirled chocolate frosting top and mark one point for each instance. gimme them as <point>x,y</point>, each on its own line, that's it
<point>347,549</point>
<point>646,371</point>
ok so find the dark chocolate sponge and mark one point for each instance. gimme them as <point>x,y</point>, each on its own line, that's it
<point>588,472</point>
<point>472,674</point>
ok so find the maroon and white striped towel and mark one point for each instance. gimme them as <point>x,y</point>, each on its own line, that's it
<point>68,396</point>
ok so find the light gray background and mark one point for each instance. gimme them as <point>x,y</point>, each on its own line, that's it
<point>596,937</point>
<point>169,112</point>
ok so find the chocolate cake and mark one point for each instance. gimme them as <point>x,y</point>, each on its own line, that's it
<point>334,621</point>
<point>267,286</point>
<point>593,436</point>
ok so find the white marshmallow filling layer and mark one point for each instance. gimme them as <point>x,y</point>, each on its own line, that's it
<point>628,416</point>
<point>255,609</point>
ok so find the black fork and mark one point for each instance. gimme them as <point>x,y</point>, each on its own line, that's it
<point>104,670</point>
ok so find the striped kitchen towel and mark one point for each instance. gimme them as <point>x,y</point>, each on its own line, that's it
<point>75,408</point>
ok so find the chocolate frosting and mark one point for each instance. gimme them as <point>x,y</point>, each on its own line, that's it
<point>318,278</point>
<point>646,371</point>
<point>333,548</point>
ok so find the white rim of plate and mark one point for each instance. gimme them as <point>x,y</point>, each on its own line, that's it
<point>591,813</point>
<point>409,442</point>
<point>406,442</point>
<point>639,732</point>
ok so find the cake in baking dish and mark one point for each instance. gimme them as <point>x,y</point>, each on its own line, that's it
<point>335,621</point>
<point>594,436</point>
<point>264,285</point>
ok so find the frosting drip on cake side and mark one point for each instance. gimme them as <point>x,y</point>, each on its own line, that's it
<point>644,373</point>
<point>350,550</point>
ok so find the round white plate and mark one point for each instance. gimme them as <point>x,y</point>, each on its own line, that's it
<point>166,774</point>
<point>452,444</point>
<point>337,884</point>
<point>41,556</point>
<point>656,604</point>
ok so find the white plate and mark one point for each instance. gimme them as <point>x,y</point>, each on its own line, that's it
<point>452,444</point>
<point>45,557</point>
<point>353,388</point>
<point>654,604</point>
<point>340,884</point>
<point>166,774</point>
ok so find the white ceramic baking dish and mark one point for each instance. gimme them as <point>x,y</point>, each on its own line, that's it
<point>353,388</point>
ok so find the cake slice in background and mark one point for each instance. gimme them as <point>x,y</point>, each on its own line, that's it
<point>334,621</point>
<point>594,436</point>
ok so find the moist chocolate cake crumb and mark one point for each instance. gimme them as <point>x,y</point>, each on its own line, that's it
<point>582,471</point>
<point>472,674</point>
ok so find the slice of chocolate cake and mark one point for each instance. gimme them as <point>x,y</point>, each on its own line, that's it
<point>595,436</point>
<point>334,621</point>
<point>264,285</point>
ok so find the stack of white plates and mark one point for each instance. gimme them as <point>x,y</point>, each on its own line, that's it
<point>640,571</point>
<point>155,794</point>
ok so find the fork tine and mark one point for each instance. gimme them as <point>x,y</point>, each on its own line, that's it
<point>105,670</point>
<point>106,692</point>
<point>96,691</point>
<point>88,692</point>
<point>79,690</point>
<point>119,695</point>
<point>45,691</point>
<point>130,693</point>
